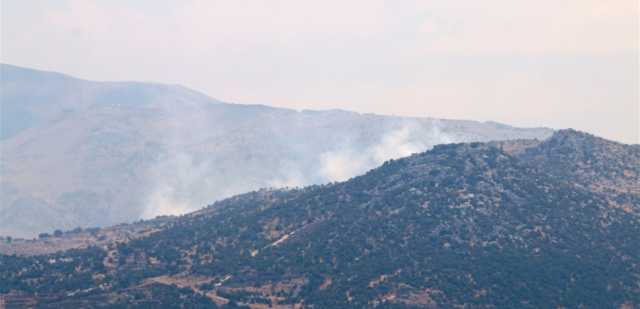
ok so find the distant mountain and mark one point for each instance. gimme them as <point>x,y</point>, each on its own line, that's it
<point>83,153</point>
<point>515,224</point>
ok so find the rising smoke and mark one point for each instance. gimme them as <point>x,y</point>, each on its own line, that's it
<point>184,182</point>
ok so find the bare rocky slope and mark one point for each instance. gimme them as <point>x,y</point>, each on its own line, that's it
<point>514,224</point>
<point>78,153</point>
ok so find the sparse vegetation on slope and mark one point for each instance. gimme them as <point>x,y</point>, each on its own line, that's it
<point>497,225</point>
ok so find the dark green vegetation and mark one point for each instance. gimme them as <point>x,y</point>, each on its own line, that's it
<point>521,224</point>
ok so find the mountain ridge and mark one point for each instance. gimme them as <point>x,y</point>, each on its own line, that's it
<point>466,224</point>
<point>56,74</point>
<point>77,153</point>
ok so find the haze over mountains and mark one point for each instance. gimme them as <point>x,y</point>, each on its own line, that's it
<point>84,153</point>
<point>512,224</point>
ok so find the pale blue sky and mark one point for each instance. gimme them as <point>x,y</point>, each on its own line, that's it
<point>557,63</point>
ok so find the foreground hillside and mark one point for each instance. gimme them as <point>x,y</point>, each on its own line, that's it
<point>517,224</point>
<point>82,153</point>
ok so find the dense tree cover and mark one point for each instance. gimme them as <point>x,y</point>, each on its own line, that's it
<point>463,224</point>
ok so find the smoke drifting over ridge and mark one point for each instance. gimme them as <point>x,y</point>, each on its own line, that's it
<point>101,153</point>
<point>345,163</point>
<point>184,183</point>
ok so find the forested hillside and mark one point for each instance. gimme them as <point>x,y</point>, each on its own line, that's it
<point>516,224</point>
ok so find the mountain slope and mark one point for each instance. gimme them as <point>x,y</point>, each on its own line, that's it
<point>474,225</point>
<point>82,153</point>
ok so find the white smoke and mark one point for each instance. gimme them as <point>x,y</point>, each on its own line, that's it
<point>410,138</point>
<point>180,186</point>
<point>293,177</point>
<point>178,182</point>
<point>182,182</point>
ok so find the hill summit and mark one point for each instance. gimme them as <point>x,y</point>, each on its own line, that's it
<point>525,223</point>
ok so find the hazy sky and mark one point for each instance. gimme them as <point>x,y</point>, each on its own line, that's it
<point>557,63</point>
